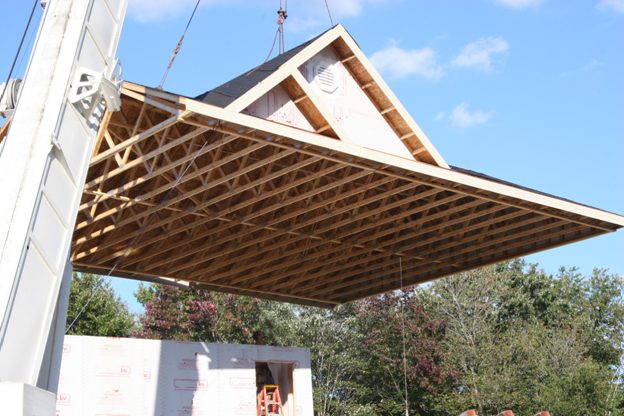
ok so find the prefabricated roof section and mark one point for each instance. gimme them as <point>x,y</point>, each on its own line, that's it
<point>276,212</point>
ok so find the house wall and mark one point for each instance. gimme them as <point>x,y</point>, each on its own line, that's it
<point>119,376</point>
<point>277,106</point>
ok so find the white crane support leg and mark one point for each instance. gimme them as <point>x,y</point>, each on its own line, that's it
<point>71,79</point>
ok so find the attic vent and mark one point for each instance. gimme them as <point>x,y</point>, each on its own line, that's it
<point>325,77</point>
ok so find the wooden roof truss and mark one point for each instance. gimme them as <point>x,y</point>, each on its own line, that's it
<point>276,212</point>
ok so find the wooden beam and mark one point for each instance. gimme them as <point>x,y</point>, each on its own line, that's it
<point>251,216</point>
<point>441,274</point>
<point>168,186</point>
<point>430,268</point>
<point>100,134</point>
<point>212,202</point>
<point>428,241</point>
<point>453,181</point>
<point>150,204</point>
<point>320,106</point>
<point>152,102</point>
<point>161,149</point>
<point>292,230</point>
<point>362,240</point>
<point>111,143</point>
<point>133,140</point>
<point>286,230</point>
<point>175,99</point>
<point>4,130</point>
<point>368,249</point>
<point>281,297</point>
<point>329,228</point>
<point>336,286</point>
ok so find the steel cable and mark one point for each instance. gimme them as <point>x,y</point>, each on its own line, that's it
<point>177,48</point>
<point>19,49</point>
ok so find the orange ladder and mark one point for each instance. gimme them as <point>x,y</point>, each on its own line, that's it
<point>272,404</point>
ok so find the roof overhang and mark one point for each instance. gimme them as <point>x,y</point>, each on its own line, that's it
<point>276,212</point>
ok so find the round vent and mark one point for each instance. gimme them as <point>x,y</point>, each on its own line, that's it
<point>325,76</point>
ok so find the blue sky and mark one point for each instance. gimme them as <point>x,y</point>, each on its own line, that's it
<point>530,91</point>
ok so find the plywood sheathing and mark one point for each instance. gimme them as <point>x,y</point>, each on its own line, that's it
<point>277,212</point>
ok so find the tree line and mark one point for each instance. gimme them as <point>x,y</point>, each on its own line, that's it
<point>501,337</point>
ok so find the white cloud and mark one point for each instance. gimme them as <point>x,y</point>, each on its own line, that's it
<point>478,54</point>
<point>463,118</point>
<point>520,4</point>
<point>593,64</point>
<point>298,25</point>
<point>616,5</point>
<point>440,116</point>
<point>400,63</point>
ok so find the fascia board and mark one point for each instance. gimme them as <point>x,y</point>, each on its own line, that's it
<point>399,162</point>
<point>321,303</point>
<point>178,99</point>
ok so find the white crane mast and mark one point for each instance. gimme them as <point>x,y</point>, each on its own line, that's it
<point>72,78</point>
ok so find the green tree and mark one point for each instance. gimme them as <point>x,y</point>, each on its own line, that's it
<point>528,342</point>
<point>197,315</point>
<point>391,322</point>
<point>339,367</point>
<point>592,303</point>
<point>106,315</point>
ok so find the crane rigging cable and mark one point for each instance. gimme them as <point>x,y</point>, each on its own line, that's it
<point>328,12</point>
<point>279,33</point>
<point>162,204</point>
<point>403,333</point>
<point>177,48</point>
<point>19,49</point>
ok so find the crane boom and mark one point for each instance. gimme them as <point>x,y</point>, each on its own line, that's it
<point>71,81</point>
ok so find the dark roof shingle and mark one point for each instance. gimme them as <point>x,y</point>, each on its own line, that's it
<point>226,94</point>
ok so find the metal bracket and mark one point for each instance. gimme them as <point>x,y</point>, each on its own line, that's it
<point>91,88</point>
<point>57,150</point>
<point>55,143</point>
